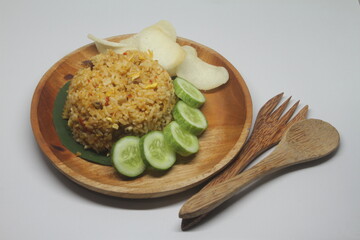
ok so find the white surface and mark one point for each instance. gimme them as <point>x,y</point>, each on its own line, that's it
<point>307,49</point>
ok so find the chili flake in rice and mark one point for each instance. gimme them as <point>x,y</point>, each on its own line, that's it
<point>120,94</point>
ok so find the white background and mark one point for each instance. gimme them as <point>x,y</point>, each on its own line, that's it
<point>308,49</point>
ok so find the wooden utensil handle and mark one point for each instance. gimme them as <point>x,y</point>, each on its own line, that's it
<point>252,148</point>
<point>249,152</point>
<point>208,199</point>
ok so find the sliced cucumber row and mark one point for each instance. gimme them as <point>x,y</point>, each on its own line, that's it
<point>130,155</point>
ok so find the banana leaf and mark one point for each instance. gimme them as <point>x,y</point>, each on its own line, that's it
<point>66,136</point>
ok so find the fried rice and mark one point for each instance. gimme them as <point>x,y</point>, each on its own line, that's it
<point>117,95</point>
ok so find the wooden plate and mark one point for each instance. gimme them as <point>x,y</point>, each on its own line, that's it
<point>228,110</point>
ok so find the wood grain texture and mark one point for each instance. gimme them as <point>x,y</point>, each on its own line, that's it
<point>228,110</point>
<point>268,129</point>
<point>305,141</point>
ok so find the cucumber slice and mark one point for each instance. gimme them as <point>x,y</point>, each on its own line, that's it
<point>188,93</point>
<point>180,140</point>
<point>156,152</point>
<point>191,119</point>
<point>126,156</point>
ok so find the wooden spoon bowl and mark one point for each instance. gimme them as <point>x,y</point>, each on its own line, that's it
<point>228,110</point>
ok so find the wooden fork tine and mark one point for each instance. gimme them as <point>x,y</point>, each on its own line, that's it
<point>277,113</point>
<point>270,105</point>
<point>284,126</point>
<point>300,116</point>
<point>285,118</point>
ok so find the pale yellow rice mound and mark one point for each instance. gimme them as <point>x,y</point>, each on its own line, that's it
<point>118,95</point>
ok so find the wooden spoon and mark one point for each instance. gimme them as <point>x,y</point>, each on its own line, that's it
<point>305,141</point>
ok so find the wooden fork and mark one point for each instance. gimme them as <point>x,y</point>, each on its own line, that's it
<point>269,127</point>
